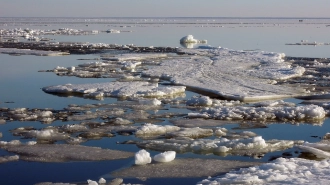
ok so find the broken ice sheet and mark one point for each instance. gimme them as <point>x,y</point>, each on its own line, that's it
<point>15,51</point>
<point>236,75</point>
<point>182,168</point>
<point>64,152</point>
<point>223,146</point>
<point>117,89</point>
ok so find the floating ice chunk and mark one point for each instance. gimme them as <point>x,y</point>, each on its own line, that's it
<point>191,133</point>
<point>281,171</point>
<point>118,89</point>
<point>2,121</point>
<point>153,130</point>
<point>165,157</point>
<point>8,158</point>
<point>188,39</point>
<point>142,157</point>
<point>128,65</point>
<point>47,134</point>
<point>91,182</point>
<point>102,181</point>
<point>154,101</point>
<point>307,112</point>
<point>10,143</point>
<point>199,101</point>
<point>45,114</point>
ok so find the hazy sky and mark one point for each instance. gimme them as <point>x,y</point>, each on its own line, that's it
<point>164,8</point>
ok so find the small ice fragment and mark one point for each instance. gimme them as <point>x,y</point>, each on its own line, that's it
<point>90,182</point>
<point>142,157</point>
<point>165,157</point>
<point>102,181</point>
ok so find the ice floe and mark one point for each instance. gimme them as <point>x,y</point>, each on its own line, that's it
<point>217,70</point>
<point>64,152</point>
<point>117,89</point>
<point>148,130</point>
<point>15,51</point>
<point>281,171</point>
<point>5,159</point>
<point>299,113</point>
<point>222,146</point>
<point>190,167</point>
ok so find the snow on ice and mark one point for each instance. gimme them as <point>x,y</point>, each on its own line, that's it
<point>237,75</point>
<point>281,171</point>
<point>117,89</point>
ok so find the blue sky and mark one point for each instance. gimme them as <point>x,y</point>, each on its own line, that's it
<point>164,8</point>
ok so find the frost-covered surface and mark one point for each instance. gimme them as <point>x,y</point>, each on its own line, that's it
<point>15,51</point>
<point>281,171</point>
<point>117,89</point>
<point>223,146</point>
<point>142,157</point>
<point>64,152</point>
<point>165,157</point>
<point>217,71</point>
<point>299,113</point>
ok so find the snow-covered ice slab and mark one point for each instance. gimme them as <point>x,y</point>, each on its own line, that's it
<point>281,171</point>
<point>64,152</point>
<point>182,168</point>
<point>237,75</point>
<point>165,157</point>
<point>15,51</point>
<point>117,89</point>
<point>250,146</point>
<point>299,113</point>
<point>148,130</point>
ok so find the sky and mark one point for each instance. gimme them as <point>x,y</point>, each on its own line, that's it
<point>164,8</point>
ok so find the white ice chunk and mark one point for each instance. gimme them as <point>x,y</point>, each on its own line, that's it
<point>152,130</point>
<point>165,157</point>
<point>199,101</point>
<point>91,182</point>
<point>154,102</point>
<point>306,112</point>
<point>102,181</point>
<point>142,157</point>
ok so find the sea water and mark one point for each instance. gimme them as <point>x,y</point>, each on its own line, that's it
<point>21,82</point>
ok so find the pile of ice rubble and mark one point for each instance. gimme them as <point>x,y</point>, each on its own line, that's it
<point>281,171</point>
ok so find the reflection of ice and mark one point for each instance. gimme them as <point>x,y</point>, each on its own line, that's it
<point>188,45</point>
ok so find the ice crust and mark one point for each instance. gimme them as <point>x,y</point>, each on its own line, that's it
<point>281,171</point>
<point>237,75</point>
<point>117,89</point>
<point>299,113</point>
